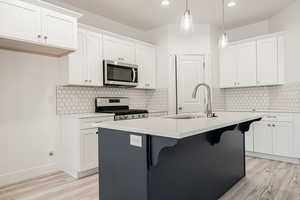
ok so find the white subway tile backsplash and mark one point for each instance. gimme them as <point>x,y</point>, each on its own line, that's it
<point>74,100</point>
<point>285,98</point>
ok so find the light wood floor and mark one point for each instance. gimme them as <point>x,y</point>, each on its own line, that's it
<point>266,180</point>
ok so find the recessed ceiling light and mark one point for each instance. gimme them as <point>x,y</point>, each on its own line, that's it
<point>165,3</point>
<point>231,4</point>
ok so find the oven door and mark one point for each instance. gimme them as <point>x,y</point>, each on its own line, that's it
<point>120,74</point>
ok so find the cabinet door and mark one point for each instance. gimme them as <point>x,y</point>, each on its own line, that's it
<point>267,65</point>
<point>246,64</point>
<point>263,138</point>
<point>283,138</point>
<point>20,20</point>
<point>77,72</point>
<point>94,59</point>
<point>249,140</point>
<point>228,67</point>
<point>59,30</point>
<point>145,58</point>
<point>118,50</point>
<point>89,149</point>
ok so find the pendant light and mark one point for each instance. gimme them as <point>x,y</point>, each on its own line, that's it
<point>187,19</point>
<point>224,38</point>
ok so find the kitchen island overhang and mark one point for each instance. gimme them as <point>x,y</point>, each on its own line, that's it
<point>146,166</point>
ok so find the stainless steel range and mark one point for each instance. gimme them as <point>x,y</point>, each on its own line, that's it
<point>120,107</point>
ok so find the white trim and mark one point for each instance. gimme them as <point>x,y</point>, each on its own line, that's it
<point>277,34</point>
<point>50,6</point>
<point>274,157</point>
<point>21,175</point>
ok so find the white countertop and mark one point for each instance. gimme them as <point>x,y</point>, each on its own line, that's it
<point>179,128</point>
<point>88,115</point>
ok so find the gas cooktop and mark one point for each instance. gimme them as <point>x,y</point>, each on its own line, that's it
<point>120,107</point>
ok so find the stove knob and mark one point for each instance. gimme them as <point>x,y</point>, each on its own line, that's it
<point>126,117</point>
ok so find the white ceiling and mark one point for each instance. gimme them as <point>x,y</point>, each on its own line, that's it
<point>148,14</point>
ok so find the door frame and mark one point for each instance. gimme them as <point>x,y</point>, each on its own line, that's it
<point>173,77</point>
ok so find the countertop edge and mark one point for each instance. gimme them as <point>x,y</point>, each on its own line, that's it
<point>174,135</point>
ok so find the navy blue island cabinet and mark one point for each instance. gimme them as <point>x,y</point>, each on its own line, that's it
<point>200,167</point>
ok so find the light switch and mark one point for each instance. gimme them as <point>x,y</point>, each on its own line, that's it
<point>136,140</point>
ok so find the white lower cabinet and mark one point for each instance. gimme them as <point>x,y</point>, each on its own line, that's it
<point>88,149</point>
<point>78,144</point>
<point>249,143</point>
<point>274,135</point>
<point>283,138</point>
<point>263,138</point>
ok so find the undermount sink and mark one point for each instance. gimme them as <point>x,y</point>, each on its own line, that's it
<point>186,116</point>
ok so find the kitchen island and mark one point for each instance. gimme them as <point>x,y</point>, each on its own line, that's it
<point>183,157</point>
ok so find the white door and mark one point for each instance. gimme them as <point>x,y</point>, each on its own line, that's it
<point>190,72</point>
<point>77,62</point>
<point>145,59</point>
<point>267,64</point>
<point>228,67</point>
<point>89,149</point>
<point>263,137</point>
<point>94,59</point>
<point>249,146</point>
<point>246,64</point>
<point>20,20</point>
<point>59,30</point>
<point>283,138</point>
<point>118,50</point>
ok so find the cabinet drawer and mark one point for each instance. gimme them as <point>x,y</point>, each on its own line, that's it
<point>278,117</point>
<point>88,123</point>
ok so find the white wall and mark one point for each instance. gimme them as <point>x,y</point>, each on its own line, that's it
<point>289,20</point>
<point>170,40</point>
<point>248,31</point>
<point>28,121</point>
<point>197,41</point>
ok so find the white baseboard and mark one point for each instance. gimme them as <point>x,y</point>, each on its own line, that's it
<point>21,175</point>
<point>274,157</point>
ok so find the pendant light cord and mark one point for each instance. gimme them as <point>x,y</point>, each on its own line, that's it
<point>223,15</point>
<point>186,4</point>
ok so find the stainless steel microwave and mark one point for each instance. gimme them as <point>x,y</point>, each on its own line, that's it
<point>120,74</point>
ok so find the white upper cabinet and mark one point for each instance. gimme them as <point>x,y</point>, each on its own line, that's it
<point>94,58</point>
<point>246,64</point>
<point>84,67</point>
<point>118,50</point>
<point>238,65</point>
<point>37,29</point>
<point>20,20</point>
<point>76,67</point>
<point>253,62</point>
<point>146,60</point>
<point>228,67</point>
<point>267,63</point>
<point>59,30</point>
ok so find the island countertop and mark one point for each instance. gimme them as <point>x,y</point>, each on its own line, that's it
<point>179,128</point>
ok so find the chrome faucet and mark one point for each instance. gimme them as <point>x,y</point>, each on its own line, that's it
<point>209,113</point>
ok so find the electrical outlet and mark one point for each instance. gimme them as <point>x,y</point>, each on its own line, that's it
<point>136,140</point>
